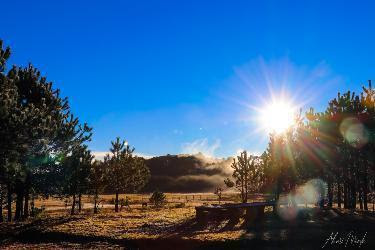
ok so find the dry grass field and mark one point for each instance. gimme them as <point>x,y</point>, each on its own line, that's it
<point>191,199</point>
<point>174,227</point>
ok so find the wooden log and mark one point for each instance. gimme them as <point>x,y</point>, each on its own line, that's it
<point>274,209</point>
<point>218,214</point>
<point>201,215</point>
<point>254,214</point>
<point>235,214</point>
<point>260,213</point>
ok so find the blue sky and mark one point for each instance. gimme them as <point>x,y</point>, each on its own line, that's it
<point>183,76</point>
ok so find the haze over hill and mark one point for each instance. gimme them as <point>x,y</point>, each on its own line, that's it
<point>187,173</point>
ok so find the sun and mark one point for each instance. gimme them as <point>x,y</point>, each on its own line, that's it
<point>277,116</point>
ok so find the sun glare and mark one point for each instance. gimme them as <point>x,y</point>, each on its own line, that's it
<point>277,117</point>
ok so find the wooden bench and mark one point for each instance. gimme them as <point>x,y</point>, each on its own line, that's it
<point>252,212</point>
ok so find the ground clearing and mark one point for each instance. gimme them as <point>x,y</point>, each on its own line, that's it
<point>175,227</point>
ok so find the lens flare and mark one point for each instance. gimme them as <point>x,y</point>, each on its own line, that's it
<point>295,202</point>
<point>354,132</point>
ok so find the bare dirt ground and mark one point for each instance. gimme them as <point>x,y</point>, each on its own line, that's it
<point>175,227</point>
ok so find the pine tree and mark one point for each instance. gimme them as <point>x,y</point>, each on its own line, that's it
<point>77,172</point>
<point>35,122</point>
<point>97,181</point>
<point>126,173</point>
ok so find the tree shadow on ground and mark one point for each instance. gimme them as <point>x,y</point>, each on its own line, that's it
<point>16,229</point>
<point>308,230</point>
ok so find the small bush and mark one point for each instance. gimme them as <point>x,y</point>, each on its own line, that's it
<point>125,203</point>
<point>38,212</point>
<point>158,199</point>
<point>180,205</point>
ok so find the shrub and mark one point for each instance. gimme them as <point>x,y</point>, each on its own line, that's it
<point>158,199</point>
<point>180,205</point>
<point>125,203</point>
<point>38,212</point>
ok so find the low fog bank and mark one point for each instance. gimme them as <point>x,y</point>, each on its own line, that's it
<point>187,173</point>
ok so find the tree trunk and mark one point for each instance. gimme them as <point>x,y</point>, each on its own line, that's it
<point>73,204</point>
<point>246,187</point>
<point>242,191</point>
<point>339,195</point>
<point>116,202</point>
<point>1,204</point>
<point>19,204</point>
<point>330,193</point>
<point>346,196</point>
<point>95,202</point>
<point>32,205</point>
<point>365,191</point>
<point>360,200</point>
<point>79,202</point>
<point>354,197</point>
<point>9,200</point>
<point>26,205</point>
<point>294,203</point>
<point>277,193</point>
<point>346,187</point>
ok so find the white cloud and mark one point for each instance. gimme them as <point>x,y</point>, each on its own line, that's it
<point>99,155</point>
<point>201,146</point>
<point>240,150</point>
<point>146,156</point>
